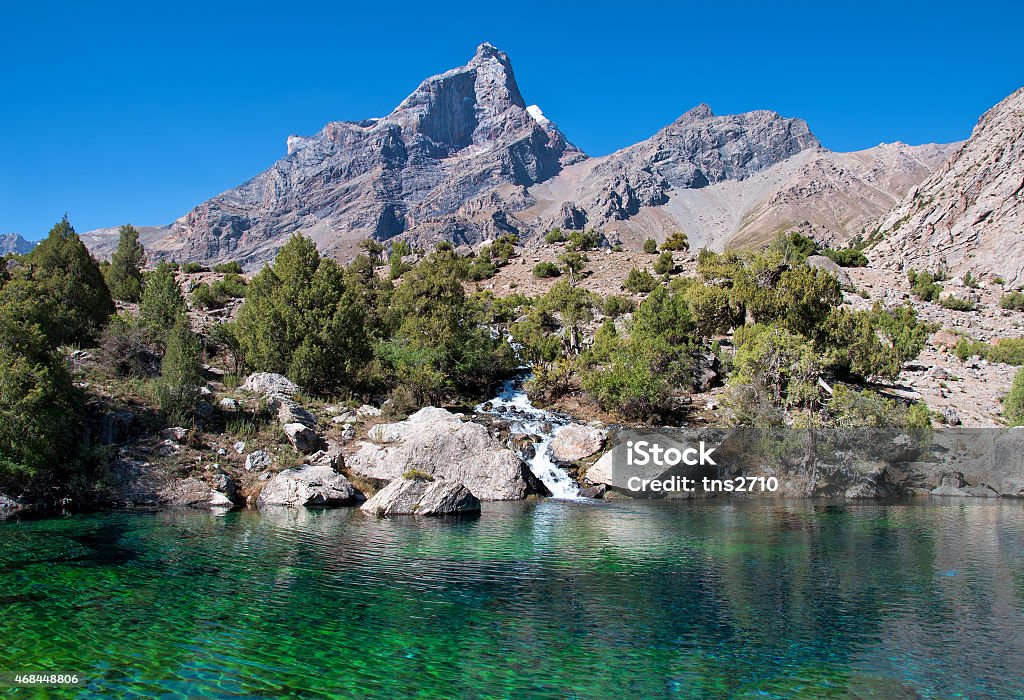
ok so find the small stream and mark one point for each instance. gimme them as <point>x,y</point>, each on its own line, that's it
<point>512,404</point>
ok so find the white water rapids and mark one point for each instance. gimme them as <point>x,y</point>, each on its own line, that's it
<point>513,405</point>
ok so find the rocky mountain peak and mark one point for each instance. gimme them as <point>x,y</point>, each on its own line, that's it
<point>701,111</point>
<point>14,243</point>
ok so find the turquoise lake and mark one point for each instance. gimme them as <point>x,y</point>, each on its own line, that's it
<point>546,599</point>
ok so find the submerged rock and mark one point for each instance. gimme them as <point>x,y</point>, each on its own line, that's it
<point>312,485</point>
<point>419,497</point>
<point>575,442</point>
<point>441,444</point>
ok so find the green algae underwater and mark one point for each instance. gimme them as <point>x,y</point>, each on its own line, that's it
<point>545,599</point>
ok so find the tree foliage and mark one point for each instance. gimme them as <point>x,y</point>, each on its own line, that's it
<point>124,275</point>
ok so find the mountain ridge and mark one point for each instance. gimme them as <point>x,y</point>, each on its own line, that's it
<point>465,158</point>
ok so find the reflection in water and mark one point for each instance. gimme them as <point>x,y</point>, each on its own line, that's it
<point>547,598</point>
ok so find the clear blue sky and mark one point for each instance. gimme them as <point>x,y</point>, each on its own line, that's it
<point>135,112</point>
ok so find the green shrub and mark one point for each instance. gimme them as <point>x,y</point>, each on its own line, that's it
<point>416,475</point>
<point>923,285</point>
<point>204,298</point>
<point>583,241</point>
<point>970,280</point>
<point>639,281</point>
<point>191,268</point>
<point>847,257</point>
<point>181,374</point>
<point>956,304</point>
<point>228,267</point>
<point>482,268</point>
<point>1009,351</point>
<point>546,269</point>
<point>555,235</point>
<point>162,302</point>
<point>615,305</point>
<point>1013,404</point>
<point>664,265</point>
<point>677,241</point>
<point>1013,301</point>
<point>650,246</point>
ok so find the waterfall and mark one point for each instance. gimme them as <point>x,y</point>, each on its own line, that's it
<point>513,405</point>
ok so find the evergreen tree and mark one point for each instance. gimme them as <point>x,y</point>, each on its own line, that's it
<point>162,302</point>
<point>181,373</point>
<point>39,408</point>
<point>124,275</point>
<point>61,271</point>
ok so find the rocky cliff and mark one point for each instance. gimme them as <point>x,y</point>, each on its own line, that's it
<point>968,216</point>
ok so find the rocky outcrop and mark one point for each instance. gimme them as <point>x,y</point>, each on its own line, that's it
<point>575,442</point>
<point>442,445</point>
<point>314,485</point>
<point>419,497</point>
<point>969,215</point>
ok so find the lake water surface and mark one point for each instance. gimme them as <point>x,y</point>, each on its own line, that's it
<point>554,599</point>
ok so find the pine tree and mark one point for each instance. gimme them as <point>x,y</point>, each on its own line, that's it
<point>124,276</point>
<point>61,271</point>
<point>181,373</point>
<point>162,302</point>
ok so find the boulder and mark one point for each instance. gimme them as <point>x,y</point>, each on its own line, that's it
<point>228,404</point>
<point>594,491</point>
<point>366,411</point>
<point>269,384</point>
<point>820,262</point>
<point>419,497</point>
<point>311,485</point>
<point>257,460</point>
<point>195,492</point>
<point>290,412</point>
<point>943,339</point>
<point>303,438</point>
<point>954,484</point>
<point>440,444</point>
<point>575,442</point>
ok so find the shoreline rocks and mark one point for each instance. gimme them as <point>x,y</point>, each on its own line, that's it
<point>419,497</point>
<point>315,485</point>
<point>575,442</point>
<point>440,444</point>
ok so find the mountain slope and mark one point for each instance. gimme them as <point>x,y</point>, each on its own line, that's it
<point>968,216</point>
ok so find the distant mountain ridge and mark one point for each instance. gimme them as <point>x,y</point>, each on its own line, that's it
<point>464,158</point>
<point>14,243</point>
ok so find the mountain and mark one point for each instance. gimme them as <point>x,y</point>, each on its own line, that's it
<point>968,216</point>
<point>454,139</point>
<point>732,181</point>
<point>464,158</point>
<point>14,243</point>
